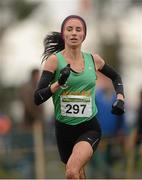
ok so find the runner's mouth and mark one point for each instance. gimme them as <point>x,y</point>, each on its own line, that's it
<point>73,39</point>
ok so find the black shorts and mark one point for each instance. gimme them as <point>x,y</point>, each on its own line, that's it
<point>68,135</point>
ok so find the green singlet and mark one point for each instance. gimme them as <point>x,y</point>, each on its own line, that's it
<point>76,103</point>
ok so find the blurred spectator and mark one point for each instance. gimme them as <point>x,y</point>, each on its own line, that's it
<point>105,96</point>
<point>134,143</point>
<point>139,122</point>
<point>138,134</point>
<point>113,127</point>
<point>31,131</point>
<point>31,111</point>
<point>5,124</point>
<point>5,130</point>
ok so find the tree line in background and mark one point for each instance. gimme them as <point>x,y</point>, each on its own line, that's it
<point>15,11</point>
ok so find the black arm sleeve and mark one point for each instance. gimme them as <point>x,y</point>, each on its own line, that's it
<point>43,91</point>
<point>115,77</point>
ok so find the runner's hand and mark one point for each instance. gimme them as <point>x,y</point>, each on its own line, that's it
<point>118,107</point>
<point>64,74</point>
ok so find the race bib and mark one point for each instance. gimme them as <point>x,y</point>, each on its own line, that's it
<point>76,106</point>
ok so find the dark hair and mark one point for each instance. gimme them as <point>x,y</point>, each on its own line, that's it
<point>53,43</point>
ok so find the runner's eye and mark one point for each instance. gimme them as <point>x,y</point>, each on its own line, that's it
<point>78,29</point>
<point>69,28</point>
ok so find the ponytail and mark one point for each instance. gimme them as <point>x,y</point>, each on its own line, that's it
<point>53,43</point>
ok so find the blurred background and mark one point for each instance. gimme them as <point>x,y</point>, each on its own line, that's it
<point>27,142</point>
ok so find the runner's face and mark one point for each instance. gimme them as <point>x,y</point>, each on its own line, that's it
<point>73,32</point>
